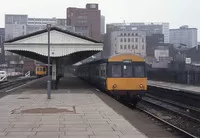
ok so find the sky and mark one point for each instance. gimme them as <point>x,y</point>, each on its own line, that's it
<point>176,12</point>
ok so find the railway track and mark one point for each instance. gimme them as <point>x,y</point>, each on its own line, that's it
<point>14,83</point>
<point>183,118</point>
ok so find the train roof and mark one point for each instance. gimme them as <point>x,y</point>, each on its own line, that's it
<point>118,58</point>
<point>122,57</point>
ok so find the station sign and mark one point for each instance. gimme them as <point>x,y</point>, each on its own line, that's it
<point>127,61</point>
<point>188,60</point>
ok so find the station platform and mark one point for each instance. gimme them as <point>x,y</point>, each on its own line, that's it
<point>175,86</point>
<point>74,111</point>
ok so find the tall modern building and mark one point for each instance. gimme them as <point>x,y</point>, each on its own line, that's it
<point>18,25</point>
<point>15,25</point>
<point>102,24</point>
<point>86,21</point>
<point>149,29</point>
<point>36,24</point>
<point>132,42</point>
<point>184,37</point>
<point>2,38</point>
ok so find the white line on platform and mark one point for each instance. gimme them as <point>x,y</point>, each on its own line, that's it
<point>16,87</point>
<point>97,90</point>
<point>21,85</point>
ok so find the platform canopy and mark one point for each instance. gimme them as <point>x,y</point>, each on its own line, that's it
<point>65,45</point>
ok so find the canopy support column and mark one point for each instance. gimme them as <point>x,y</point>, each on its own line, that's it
<point>54,74</point>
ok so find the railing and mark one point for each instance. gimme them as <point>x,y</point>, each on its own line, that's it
<point>28,74</point>
<point>3,77</point>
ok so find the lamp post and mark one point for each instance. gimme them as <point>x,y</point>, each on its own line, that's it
<point>49,77</point>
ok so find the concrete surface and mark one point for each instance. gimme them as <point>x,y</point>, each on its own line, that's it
<point>86,116</point>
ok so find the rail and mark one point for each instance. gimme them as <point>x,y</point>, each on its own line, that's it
<point>180,117</point>
<point>167,123</point>
<point>7,84</point>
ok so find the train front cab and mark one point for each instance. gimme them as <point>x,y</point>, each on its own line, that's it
<point>127,77</point>
<point>41,71</point>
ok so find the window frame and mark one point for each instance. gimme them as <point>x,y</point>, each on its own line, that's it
<point>143,64</point>
<point>110,64</point>
<point>130,65</point>
<point>115,67</point>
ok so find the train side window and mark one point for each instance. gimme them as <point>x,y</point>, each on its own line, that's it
<point>44,69</point>
<point>127,71</point>
<point>139,71</point>
<point>116,71</point>
<point>41,68</point>
<point>38,69</point>
<point>97,72</point>
<point>102,74</point>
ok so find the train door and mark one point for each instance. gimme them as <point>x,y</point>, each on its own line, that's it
<point>127,69</point>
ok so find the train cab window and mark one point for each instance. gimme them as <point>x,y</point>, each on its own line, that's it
<point>38,69</point>
<point>139,71</point>
<point>116,71</point>
<point>127,71</point>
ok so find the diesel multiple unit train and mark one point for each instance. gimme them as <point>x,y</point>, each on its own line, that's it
<point>122,76</point>
<point>41,70</point>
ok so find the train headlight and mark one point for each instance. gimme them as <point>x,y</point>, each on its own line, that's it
<point>141,86</point>
<point>115,86</point>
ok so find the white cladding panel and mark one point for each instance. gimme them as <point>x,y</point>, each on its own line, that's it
<point>56,50</point>
<point>62,44</point>
<point>56,38</point>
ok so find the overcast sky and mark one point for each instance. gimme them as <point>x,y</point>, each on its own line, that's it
<point>176,12</point>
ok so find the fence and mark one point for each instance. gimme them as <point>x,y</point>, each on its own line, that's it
<point>175,76</point>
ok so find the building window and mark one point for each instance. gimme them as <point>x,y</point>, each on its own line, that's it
<point>132,34</point>
<point>124,34</point>
<point>142,40</point>
<point>121,40</point>
<point>121,47</point>
<point>132,39</point>
<point>129,47</point>
<point>132,46</point>
<point>136,39</point>
<point>142,46</point>
<point>136,46</point>
<point>124,46</point>
<point>136,34</point>
<point>128,34</point>
<point>128,39</point>
<point>124,39</point>
<point>121,34</point>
